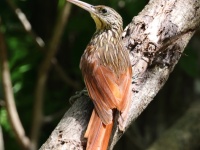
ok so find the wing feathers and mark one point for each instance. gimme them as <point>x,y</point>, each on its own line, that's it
<point>108,91</point>
<point>103,110</point>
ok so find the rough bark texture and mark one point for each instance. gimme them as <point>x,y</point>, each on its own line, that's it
<point>68,134</point>
<point>156,39</point>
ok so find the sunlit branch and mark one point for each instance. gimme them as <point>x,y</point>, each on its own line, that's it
<point>26,24</point>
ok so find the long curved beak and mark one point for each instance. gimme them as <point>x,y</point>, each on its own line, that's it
<point>86,6</point>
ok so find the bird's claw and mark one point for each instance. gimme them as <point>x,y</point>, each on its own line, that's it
<point>77,95</point>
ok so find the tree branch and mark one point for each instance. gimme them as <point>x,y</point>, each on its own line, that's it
<point>13,116</point>
<point>156,39</point>
<point>74,84</point>
<point>26,24</point>
<point>1,139</point>
<point>41,44</point>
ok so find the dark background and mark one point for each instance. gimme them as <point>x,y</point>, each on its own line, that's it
<point>25,58</point>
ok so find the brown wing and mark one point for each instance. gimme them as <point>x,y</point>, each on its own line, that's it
<point>107,90</point>
<point>125,103</point>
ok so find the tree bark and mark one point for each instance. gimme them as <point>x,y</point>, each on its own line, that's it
<point>155,39</point>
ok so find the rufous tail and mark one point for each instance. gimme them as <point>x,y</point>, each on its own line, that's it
<point>97,133</point>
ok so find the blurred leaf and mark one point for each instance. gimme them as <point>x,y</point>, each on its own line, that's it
<point>17,87</point>
<point>4,120</point>
<point>61,3</point>
<point>24,68</point>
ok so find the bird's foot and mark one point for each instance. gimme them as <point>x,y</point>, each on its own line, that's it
<point>77,95</point>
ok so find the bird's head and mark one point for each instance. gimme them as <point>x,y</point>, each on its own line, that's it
<point>104,17</point>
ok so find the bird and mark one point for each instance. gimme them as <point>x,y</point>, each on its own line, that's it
<point>107,73</point>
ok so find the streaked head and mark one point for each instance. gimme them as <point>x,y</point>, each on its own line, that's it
<point>104,17</point>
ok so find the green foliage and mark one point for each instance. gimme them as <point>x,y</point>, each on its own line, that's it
<point>4,120</point>
<point>61,3</point>
<point>25,57</point>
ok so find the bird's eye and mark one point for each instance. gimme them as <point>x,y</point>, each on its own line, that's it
<point>104,11</point>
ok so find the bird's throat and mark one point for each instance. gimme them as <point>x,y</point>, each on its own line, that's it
<point>99,23</point>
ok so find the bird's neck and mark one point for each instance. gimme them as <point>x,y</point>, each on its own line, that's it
<point>105,36</point>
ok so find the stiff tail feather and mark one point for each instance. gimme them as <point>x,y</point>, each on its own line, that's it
<point>97,133</point>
